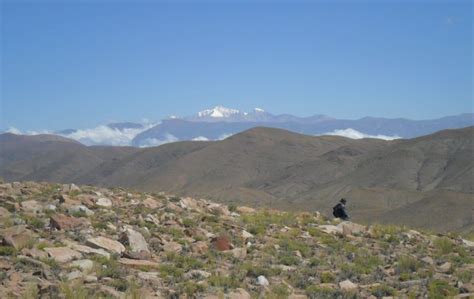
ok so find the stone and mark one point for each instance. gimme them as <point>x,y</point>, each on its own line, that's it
<point>445,268</point>
<point>18,236</point>
<point>138,263</point>
<point>190,204</point>
<point>222,243</point>
<point>135,240</point>
<point>350,228</point>
<point>172,247</point>
<point>89,250</point>
<point>34,253</point>
<point>31,206</point>
<point>331,229</point>
<point>428,260</point>
<point>80,209</point>
<point>297,296</point>
<point>149,276</point>
<point>245,210</point>
<point>104,202</point>
<point>90,279</point>
<point>84,265</point>
<point>106,243</point>
<point>197,274</point>
<point>239,253</point>
<point>63,254</point>
<point>262,280</point>
<point>74,275</point>
<point>348,286</point>
<point>468,243</point>
<point>51,207</point>
<point>239,294</point>
<point>151,203</point>
<point>246,235</point>
<point>64,222</point>
<point>4,213</point>
<point>200,247</point>
<point>218,209</point>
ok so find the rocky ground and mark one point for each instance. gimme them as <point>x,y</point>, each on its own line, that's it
<point>65,241</point>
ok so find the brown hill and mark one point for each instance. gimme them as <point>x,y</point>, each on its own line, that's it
<point>402,181</point>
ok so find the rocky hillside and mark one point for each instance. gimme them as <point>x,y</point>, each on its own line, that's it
<point>424,182</point>
<point>65,241</point>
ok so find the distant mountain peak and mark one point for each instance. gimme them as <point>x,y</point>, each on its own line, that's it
<point>218,112</point>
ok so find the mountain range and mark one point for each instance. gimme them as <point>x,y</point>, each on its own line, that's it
<point>422,182</point>
<point>219,123</point>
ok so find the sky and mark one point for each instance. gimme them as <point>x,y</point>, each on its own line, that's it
<point>78,64</point>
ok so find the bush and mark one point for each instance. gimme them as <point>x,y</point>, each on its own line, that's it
<point>443,245</point>
<point>383,290</point>
<point>279,291</point>
<point>7,251</point>
<point>407,264</point>
<point>317,292</point>
<point>438,289</point>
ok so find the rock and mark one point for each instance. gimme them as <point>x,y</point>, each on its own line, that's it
<point>239,294</point>
<point>31,206</point>
<point>4,213</point>
<point>104,202</point>
<point>445,268</point>
<point>89,250</point>
<point>63,222</point>
<point>190,204</point>
<point>262,280</point>
<point>297,296</point>
<point>246,235</point>
<point>74,275</point>
<point>63,254</point>
<point>138,263</point>
<point>84,265</point>
<point>90,279</point>
<point>245,210</point>
<point>331,229</point>
<point>468,243</point>
<point>222,243</point>
<point>135,240</point>
<point>200,247</point>
<point>80,209</point>
<point>348,286</point>
<point>51,207</point>
<point>149,275</point>
<point>18,236</point>
<point>239,253</point>
<point>350,228</point>
<point>151,203</point>
<point>73,187</point>
<point>172,247</point>
<point>106,243</point>
<point>428,260</point>
<point>197,274</point>
<point>218,209</point>
<point>34,253</point>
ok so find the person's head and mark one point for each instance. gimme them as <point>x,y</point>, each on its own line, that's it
<point>343,201</point>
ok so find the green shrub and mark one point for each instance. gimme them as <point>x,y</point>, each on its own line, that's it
<point>407,264</point>
<point>438,289</point>
<point>317,292</point>
<point>443,245</point>
<point>279,291</point>
<point>383,290</point>
<point>327,277</point>
<point>7,251</point>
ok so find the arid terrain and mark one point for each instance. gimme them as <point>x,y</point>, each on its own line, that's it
<point>68,241</point>
<point>425,182</point>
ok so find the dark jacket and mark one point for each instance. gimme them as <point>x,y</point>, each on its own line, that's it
<point>339,211</point>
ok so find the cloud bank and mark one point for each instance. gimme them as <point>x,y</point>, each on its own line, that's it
<point>354,134</point>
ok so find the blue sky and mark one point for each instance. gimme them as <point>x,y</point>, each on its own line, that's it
<point>83,63</point>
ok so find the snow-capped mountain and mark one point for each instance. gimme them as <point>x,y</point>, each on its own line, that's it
<point>220,122</point>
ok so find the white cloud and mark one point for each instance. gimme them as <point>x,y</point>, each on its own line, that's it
<point>156,142</point>
<point>200,138</point>
<point>13,130</point>
<point>224,136</point>
<point>16,131</point>
<point>354,134</point>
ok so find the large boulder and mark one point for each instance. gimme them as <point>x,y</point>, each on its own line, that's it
<point>63,222</point>
<point>135,241</point>
<point>63,254</point>
<point>106,243</point>
<point>18,236</point>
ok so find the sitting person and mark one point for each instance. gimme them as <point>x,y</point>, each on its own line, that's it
<point>339,210</point>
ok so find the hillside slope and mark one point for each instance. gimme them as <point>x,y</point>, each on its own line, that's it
<point>273,167</point>
<point>68,241</point>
